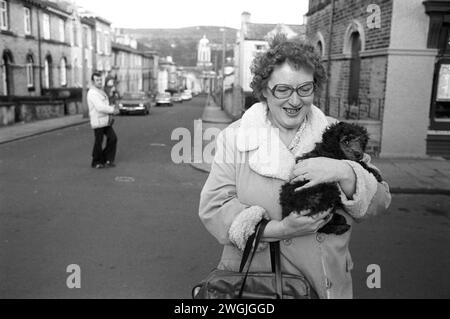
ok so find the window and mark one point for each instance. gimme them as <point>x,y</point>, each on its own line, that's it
<point>63,71</point>
<point>6,71</point>
<point>89,44</point>
<point>355,69</point>
<point>106,43</point>
<point>30,71</point>
<point>99,42</point>
<point>85,37</point>
<point>76,41</point>
<point>70,26</point>
<point>46,26</point>
<point>75,70</point>
<point>320,48</point>
<point>27,20</point>
<point>62,35</point>
<point>48,80</point>
<point>4,25</point>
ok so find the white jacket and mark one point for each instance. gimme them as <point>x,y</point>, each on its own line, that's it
<point>99,108</point>
<point>251,164</point>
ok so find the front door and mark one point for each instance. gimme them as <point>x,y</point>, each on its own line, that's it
<point>440,102</point>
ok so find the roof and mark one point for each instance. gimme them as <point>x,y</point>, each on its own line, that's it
<point>56,7</point>
<point>91,15</point>
<point>260,31</point>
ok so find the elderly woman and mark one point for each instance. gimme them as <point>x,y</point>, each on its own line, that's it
<point>256,155</point>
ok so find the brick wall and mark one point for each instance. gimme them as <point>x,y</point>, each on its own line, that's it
<point>373,68</point>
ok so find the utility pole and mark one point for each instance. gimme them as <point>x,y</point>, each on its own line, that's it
<point>330,39</point>
<point>39,51</point>
<point>83,74</point>
<point>223,67</point>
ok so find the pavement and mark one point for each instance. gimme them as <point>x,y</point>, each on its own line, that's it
<point>404,175</point>
<point>23,130</point>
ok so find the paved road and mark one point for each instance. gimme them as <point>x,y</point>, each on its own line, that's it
<point>134,229</point>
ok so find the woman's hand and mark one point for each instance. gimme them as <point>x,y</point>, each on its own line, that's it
<point>296,225</point>
<point>321,170</point>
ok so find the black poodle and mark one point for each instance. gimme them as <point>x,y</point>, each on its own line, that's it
<point>339,141</point>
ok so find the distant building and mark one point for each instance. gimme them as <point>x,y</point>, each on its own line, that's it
<point>204,53</point>
<point>253,38</point>
<point>133,65</point>
<point>168,76</point>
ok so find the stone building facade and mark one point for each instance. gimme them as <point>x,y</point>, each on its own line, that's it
<point>135,66</point>
<point>34,46</point>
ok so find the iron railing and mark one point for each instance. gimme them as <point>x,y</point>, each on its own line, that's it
<point>361,109</point>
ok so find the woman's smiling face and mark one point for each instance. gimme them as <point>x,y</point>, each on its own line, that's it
<point>288,113</point>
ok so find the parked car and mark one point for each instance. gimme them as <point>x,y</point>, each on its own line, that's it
<point>135,102</point>
<point>186,95</point>
<point>176,97</point>
<point>164,99</point>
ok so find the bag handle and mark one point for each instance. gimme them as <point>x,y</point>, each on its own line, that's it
<point>252,241</point>
<point>276,267</point>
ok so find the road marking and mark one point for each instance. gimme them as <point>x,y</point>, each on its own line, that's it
<point>124,179</point>
<point>158,144</point>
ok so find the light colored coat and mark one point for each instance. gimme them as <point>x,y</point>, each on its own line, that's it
<point>250,166</point>
<point>99,108</point>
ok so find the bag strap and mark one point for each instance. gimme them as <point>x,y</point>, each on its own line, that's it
<point>276,267</point>
<point>252,241</point>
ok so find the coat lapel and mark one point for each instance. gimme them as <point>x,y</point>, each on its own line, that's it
<point>267,154</point>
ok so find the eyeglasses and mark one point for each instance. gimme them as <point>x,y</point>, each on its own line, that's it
<point>284,91</point>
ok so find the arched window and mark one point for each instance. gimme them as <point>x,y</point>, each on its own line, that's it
<point>7,61</point>
<point>63,71</point>
<point>48,78</point>
<point>320,43</point>
<point>320,48</point>
<point>75,73</point>
<point>30,71</point>
<point>355,68</point>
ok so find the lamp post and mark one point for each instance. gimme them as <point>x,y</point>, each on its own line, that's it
<point>223,66</point>
<point>83,73</point>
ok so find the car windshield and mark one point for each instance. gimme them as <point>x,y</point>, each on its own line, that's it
<point>133,96</point>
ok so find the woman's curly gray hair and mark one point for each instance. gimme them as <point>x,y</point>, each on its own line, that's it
<point>297,53</point>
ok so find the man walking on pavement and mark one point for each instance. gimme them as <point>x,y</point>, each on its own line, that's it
<point>100,114</point>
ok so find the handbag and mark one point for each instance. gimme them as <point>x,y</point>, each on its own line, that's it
<point>225,284</point>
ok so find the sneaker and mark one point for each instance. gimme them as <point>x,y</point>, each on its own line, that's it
<point>110,164</point>
<point>98,166</point>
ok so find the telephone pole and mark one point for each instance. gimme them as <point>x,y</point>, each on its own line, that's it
<point>224,50</point>
<point>83,73</point>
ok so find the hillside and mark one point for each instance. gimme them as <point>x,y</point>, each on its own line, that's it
<point>182,43</point>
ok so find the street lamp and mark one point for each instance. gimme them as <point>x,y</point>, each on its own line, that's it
<point>84,45</point>
<point>223,65</point>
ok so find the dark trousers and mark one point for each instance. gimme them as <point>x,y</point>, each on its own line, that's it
<point>100,155</point>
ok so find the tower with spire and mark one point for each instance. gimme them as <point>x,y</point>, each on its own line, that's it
<point>204,53</point>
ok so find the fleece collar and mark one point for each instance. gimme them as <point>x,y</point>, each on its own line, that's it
<point>268,156</point>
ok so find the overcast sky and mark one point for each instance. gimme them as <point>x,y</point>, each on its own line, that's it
<point>186,13</point>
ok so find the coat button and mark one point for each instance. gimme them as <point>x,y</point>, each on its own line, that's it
<point>287,242</point>
<point>320,237</point>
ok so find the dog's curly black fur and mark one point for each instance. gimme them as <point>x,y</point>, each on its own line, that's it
<point>339,141</point>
